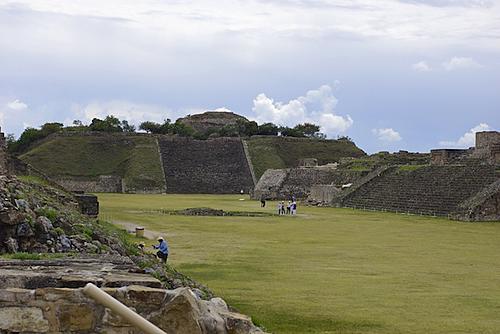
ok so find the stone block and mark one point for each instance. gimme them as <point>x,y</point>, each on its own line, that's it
<point>23,319</point>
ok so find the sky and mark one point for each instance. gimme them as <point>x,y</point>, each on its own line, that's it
<point>390,74</point>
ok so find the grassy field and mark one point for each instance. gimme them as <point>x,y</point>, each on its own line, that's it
<point>332,270</point>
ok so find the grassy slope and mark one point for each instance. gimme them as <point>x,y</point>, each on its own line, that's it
<point>333,270</point>
<point>280,152</point>
<point>134,158</point>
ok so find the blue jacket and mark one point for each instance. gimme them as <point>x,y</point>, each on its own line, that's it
<point>163,247</point>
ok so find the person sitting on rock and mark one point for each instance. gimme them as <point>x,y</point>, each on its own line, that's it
<point>162,249</point>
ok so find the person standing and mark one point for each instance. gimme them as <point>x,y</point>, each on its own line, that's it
<point>162,249</point>
<point>280,207</point>
<point>288,207</point>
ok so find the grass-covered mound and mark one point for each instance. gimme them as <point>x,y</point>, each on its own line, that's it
<point>286,152</point>
<point>134,158</point>
<point>331,270</point>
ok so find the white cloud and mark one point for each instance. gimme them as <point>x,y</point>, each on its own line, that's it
<point>457,63</point>
<point>468,139</point>
<point>17,105</point>
<point>387,135</point>
<point>316,106</point>
<point>421,66</point>
<point>134,113</point>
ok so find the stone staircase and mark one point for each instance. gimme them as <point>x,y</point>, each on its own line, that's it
<point>213,166</point>
<point>429,190</point>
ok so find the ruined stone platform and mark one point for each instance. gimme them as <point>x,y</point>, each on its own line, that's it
<point>103,271</point>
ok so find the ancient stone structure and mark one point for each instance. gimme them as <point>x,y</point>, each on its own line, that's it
<point>213,166</point>
<point>488,146</point>
<point>51,300</point>
<point>486,151</point>
<point>100,184</point>
<point>297,182</point>
<point>212,120</point>
<point>431,190</point>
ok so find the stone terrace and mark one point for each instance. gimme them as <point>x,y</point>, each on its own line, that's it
<point>434,190</point>
<point>214,166</point>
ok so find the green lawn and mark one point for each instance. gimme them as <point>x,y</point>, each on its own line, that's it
<point>332,270</point>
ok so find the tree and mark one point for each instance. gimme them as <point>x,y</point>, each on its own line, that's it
<point>150,127</point>
<point>127,127</point>
<point>268,129</point>
<point>109,124</point>
<point>307,129</point>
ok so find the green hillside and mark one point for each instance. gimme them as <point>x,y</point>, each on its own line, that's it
<point>285,152</point>
<point>134,158</point>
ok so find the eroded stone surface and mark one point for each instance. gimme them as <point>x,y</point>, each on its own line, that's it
<point>23,319</point>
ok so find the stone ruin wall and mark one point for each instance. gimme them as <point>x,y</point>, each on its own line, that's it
<point>486,151</point>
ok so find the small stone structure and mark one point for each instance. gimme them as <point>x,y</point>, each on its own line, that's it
<point>89,205</point>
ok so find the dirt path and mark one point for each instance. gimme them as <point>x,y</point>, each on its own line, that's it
<point>130,227</point>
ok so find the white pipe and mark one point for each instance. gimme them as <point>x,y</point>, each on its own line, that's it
<point>122,310</point>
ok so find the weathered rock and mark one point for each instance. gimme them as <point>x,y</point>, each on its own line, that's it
<point>185,314</point>
<point>24,230</point>
<point>43,224</point>
<point>78,317</point>
<point>12,246</point>
<point>11,217</point>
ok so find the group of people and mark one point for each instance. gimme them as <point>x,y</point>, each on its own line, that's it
<point>287,209</point>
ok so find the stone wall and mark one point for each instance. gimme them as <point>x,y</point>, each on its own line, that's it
<point>64,310</point>
<point>213,166</point>
<point>100,184</point>
<point>432,190</point>
<point>285,183</point>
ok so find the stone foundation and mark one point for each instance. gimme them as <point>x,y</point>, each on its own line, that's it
<point>101,184</point>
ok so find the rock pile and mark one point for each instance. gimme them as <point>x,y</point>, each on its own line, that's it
<point>35,218</point>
